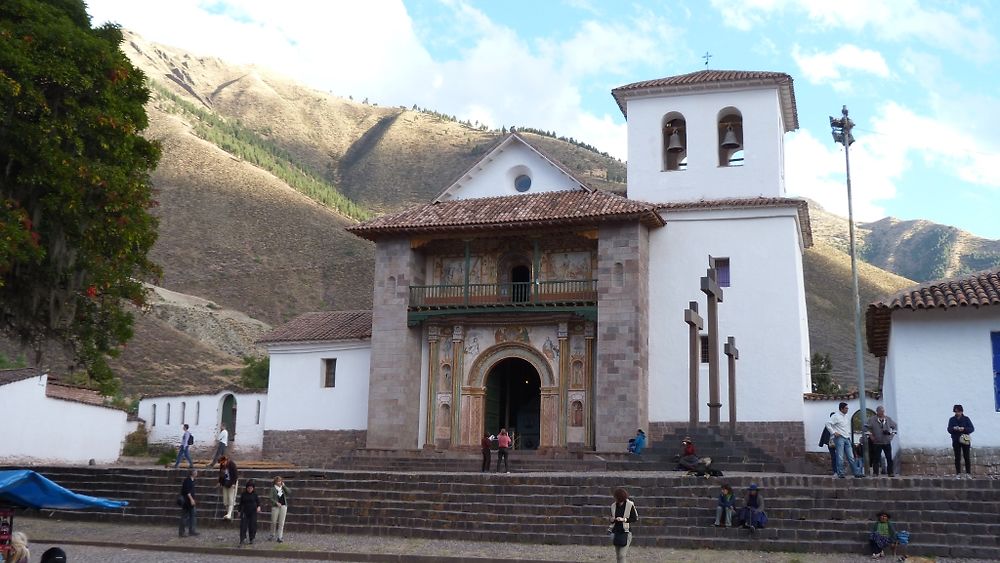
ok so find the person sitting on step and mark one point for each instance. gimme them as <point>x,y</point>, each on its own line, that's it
<point>883,535</point>
<point>689,461</point>
<point>724,507</point>
<point>752,514</point>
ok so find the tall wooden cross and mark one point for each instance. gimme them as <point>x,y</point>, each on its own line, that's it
<point>734,354</point>
<point>710,287</point>
<point>695,322</point>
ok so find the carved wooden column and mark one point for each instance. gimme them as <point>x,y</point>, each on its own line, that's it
<point>564,377</point>
<point>710,287</point>
<point>457,375</point>
<point>734,354</point>
<point>695,322</point>
<point>433,336</point>
<point>589,330</point>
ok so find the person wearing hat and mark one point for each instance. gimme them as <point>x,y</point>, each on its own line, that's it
<point>248,507</point>
<point>688,460</point>
<point>883,535</point>
<point>752,514</point>
<point>960,427</point>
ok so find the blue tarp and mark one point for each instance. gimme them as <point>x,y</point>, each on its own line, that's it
<point>25,488</point>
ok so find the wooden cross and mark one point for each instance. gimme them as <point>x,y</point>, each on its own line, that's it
<point>695,324</point>
<point>734,354</point>
<point>706,56</point>
<point>710,287</point>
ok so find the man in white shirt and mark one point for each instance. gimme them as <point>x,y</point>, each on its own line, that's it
<point>223,442</point>
<point>839,426</point>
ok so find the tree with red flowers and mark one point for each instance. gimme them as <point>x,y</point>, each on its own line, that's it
<point>75,193</point>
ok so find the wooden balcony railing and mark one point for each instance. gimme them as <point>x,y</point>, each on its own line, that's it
<point>502,294</point>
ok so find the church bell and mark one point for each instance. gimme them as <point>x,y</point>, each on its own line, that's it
<point>674,145</point>
<point>729,141</point>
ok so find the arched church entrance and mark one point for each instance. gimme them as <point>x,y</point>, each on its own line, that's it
<point>229,415</point>
<point>513,401</point>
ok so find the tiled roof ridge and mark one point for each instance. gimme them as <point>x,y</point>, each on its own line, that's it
<point>552,207</point>
<point>208,391</point>
<point>978,289</point>
<point>13,375</point>
<point>841,396</point>
<point>322,326</point>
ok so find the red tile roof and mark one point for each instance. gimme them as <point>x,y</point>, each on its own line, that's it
<point>841,396</point>
<point>76,394</point>
<point>572,207</point>
<point>981,289</point>
<point>802,205</point>
<point>322,327</point>
<point>15,375</point>
<point>715,80</point>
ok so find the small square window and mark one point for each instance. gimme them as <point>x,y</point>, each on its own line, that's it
<point>722,271</point>
<point>704,348</point>
<point>330,372</point>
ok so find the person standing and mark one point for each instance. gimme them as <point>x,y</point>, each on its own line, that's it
<point>187,503</point>
<point>184,449</point>
<point>503,446</point>
<point>486,444</point>
<point>826,441</point>
<point>623,515</point>
<point>880,430</point>
<point>249,507</point>
<point>960,427</point>
<point>229,481</point>
<point>839,426</point>
<point>222,442</point>
<point>279,509</point>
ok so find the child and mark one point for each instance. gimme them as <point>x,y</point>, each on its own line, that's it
<point>752,514</point>
<point>883,534</point>
<point>725,506</point>
<point>249,507</point>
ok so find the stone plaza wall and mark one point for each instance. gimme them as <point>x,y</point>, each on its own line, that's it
<point>311,448</point>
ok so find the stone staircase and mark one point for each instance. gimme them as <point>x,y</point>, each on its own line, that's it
<point>946,517</point>
<point>728,453</point>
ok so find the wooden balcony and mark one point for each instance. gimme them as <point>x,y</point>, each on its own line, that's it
<point>485,296</point>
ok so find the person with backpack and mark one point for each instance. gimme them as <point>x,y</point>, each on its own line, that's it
<point>183,451</point>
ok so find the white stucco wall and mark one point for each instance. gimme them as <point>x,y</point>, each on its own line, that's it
<point>764,310</point>
<point>46,430</point>
<point>496,176</point>
<point>762,173</point>
<point>817,413</point>
<point>203,415</point>
<point>297,398</point>
<point>938,358</point>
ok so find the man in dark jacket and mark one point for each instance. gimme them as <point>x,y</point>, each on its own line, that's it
<point>248,507</point>
<point>879,430</point>
<point>229,478</point>
<point>187,504</point>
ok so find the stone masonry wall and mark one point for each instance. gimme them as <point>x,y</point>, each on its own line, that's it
<point>780,440</point>
<point>394,384</point>
<point>311,448</point>
<point>941,461</point>
<point>622,353</point>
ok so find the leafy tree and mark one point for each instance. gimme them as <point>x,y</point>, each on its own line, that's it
<point>7,363</point>
<point>255,372</point>
<point>822,367</point>
<point>75,192</point>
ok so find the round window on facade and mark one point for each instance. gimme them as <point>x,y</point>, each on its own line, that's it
<point>522,183</point>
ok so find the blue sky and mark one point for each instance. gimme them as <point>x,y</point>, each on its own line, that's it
<point>920,78</point>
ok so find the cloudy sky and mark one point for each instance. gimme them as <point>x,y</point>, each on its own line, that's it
<point>919,78</point>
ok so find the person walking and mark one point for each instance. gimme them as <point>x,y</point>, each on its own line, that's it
<point>183,450</point>
<point>880,430</point>
<point>221,443</point>
<point>486,444</point>
<point>279,509</point>
<point>503,446</point>
<point>19,552</point>
<point>187,504</point>
<point>248,507</point>
<point>229,481</point>
<point>623,515</point>
<point>839,426</point>
<point>960,427</point>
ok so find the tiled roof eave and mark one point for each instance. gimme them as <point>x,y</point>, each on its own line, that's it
<point>306,341</point>
<point>650,219</point>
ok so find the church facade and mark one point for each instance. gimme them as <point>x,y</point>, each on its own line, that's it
<point>522,298</point>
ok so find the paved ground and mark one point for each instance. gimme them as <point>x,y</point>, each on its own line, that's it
<point>120,543</point>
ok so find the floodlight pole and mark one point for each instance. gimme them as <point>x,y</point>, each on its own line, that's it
<point>841,129</point>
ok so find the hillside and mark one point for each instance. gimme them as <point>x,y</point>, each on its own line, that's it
<point>242,250</point>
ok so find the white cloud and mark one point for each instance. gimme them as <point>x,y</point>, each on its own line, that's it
<point>831,67</point>
<point>959,31</point>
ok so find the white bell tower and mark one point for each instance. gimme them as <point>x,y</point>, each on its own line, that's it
<point>707,135</point>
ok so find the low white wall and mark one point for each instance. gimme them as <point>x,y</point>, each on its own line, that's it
<point>299,401</point>
<point>203,415</point>
<point>47,430</point>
